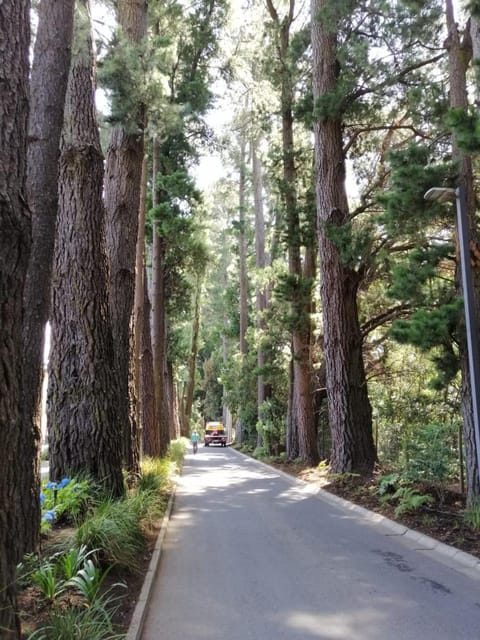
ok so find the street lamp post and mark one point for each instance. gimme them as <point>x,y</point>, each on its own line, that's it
<point>438,194</point>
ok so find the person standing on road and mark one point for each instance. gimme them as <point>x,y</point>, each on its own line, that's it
<point>195,437</point>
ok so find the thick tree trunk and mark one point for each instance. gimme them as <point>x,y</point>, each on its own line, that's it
<point>348,403</point>
<point>242,250</point>
<point>159,319</point>
<point>150,433</point>
<point>475,37</point>
<point>122,195</point>
<point>139,303</point>
<point>301,436</point>
<point>51,63</point>
<point>172,395</point>
<point>15,229</point>
<point>261,302</point>
<point>82,404</point>
<point>121,200</point>
<point>459,55</point>
<point>192,359</point>
<point>182,401</point>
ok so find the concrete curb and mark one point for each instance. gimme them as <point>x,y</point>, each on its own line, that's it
<point>138,619</point>
<point>421,542</point>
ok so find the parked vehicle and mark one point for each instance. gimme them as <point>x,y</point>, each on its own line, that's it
<point>215,434</point>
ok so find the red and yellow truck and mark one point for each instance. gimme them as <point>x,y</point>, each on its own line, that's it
<point>215,434</point>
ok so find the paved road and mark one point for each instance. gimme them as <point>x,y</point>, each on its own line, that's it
<point>251,555</point>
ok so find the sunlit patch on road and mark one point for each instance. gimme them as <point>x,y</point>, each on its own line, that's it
<point>332,626</point>
<point>298,493</point>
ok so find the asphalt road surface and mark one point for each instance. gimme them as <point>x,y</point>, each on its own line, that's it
<point>252,555</point>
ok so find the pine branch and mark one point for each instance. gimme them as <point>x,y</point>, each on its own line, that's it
<point>387,127</point>
<point>383,318</point>
<point>392,80</point>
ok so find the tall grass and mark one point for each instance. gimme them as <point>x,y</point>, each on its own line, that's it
<point>155,474</point>
<point>177,451</point>
<point>114,529</point>
<point>87,623</point>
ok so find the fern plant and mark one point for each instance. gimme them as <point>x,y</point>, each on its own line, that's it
<point>387,485</point>
<point>409,500</point>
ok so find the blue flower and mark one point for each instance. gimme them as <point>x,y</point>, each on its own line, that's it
<point>42,498</point>
<point>49,516</point>
<point>51,485</point>
<point>63,483</point>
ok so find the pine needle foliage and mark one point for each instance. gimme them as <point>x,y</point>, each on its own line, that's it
<point>466,125</point>
<point>413,172</point>
<point>422,275</point>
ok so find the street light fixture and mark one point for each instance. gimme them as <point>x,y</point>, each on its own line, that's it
<point>438,194</point>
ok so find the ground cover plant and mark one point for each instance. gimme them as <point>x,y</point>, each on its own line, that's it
<point>95,551</point>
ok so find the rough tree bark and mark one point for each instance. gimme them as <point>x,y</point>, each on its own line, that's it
<point>82,403</point>
<point>301,435</point>
<point>260,262</point>
<point>475,37</point>
<point>459,55</point>
<point>139,300</point>
<point>159,319</point>
<point>243,312</point>
<point>242,250</point>
<point>173,418</point>
<point>192,358</point>
<point>349,407</point>
<point>51,63</point>
<point>150,433</point>
<point>15,229</point>
<point>122,193</point>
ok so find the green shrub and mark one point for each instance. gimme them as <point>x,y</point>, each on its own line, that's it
<point>431,453</point>
<point>270,426</point>
<point>66,501</point>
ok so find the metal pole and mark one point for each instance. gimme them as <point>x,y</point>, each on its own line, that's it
<point>470,316</point>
